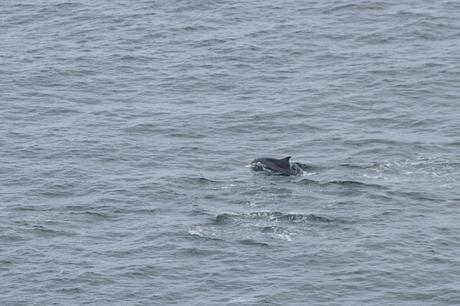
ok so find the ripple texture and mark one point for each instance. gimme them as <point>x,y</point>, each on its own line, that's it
<point>126,126</point>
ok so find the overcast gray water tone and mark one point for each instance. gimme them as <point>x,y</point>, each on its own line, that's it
<point>126,128</point>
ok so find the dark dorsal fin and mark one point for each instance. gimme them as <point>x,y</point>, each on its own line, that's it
<point>287,158</point>
<point>285,162</point>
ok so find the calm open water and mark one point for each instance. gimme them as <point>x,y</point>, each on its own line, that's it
<point>126,128</point>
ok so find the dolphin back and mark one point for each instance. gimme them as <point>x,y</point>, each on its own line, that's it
<point>285,161</point>
<point>280,166</point>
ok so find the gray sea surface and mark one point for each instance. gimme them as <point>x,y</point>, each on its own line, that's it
<point>126,128</point>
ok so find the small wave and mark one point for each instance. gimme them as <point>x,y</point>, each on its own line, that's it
<point>55,190</point>
<point>187,135</point>
<point>141,211</point>
<point>44,231</point>
<point>199,181</point>
<point>419,196</point>
<point>94,215</point>
<point>272,217</point>
<point>346,183</point>
<point>60,111</point>
<point>138,274</point>
<point>373,141</point>
<point>299,218</point>
<point>31,208</point>
<point>307,167</point>
<point>145,128</point>
<point>149,128</point>
<point>196,252</point>
<point>360,166</point>
<point>308,182</point>
<point>355,7</point>
<point>108,211</point>
<point>253,242</point>
<point>69,5</point>
<point>192,28</point>
<point>354,184</point>
<point>200,231</point>
<point>220,219</point>
<point>281,191</point>
<point>11,238</point>
<point>199,212</point>
<point>259,227</point>
<point>423,166</point>
<point>56,193</point>
<point>279,232</point>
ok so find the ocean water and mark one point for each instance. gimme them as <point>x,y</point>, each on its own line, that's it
<point>126,128</point>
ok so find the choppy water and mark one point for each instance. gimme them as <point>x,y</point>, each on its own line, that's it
<point>126,126</point>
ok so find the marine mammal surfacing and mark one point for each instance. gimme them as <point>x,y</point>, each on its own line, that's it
<point>278,166</point>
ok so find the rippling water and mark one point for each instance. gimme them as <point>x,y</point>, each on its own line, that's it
<point>126,128</point>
